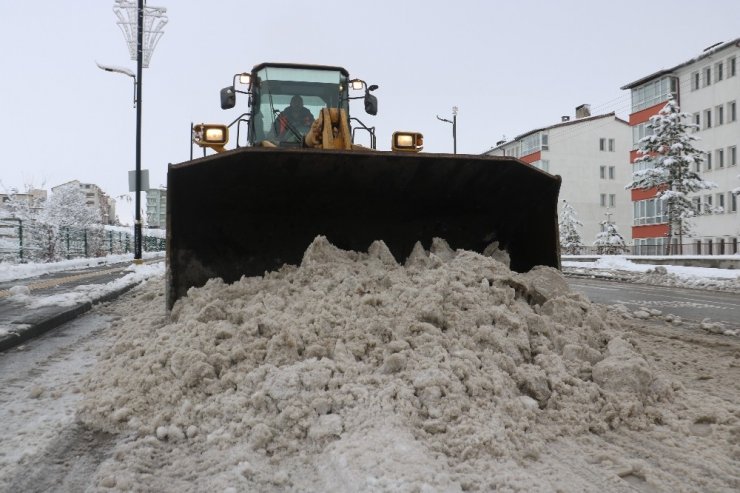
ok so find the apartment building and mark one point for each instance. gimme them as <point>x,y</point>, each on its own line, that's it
<point>156,208</point>
<point>590,153</point>
<point>96,199</point>
<point>34,198</point>
<point>707,87</point>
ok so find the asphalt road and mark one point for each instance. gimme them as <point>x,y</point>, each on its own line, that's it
<point>689,304</point>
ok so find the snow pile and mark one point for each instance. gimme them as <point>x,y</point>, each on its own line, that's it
<point>354,373</point>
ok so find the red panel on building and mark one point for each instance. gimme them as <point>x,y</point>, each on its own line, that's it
<point>531,158</point>
<point>644,115</point>
<point>650,231</point>
<point>644,193</point>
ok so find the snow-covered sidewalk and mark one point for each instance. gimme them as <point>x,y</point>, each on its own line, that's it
<point>620,267</point>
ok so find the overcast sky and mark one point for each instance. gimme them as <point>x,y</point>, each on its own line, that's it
<point>509,66</point>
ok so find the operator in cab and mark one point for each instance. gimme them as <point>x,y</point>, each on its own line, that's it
<point>295,115</point>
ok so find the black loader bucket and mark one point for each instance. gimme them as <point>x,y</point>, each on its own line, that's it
<point>251,210</point>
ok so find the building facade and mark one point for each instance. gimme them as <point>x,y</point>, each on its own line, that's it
<point>708,88</point>
<point>590,153</point>
<point>156,208</point>
<point>96,199</point>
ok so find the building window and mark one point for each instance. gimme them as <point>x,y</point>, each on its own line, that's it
<point>697,121</point>
<point>603,200</point>
<point>718,74</point>
<point>533,143</point>
<point>720,110</point>
<point>708,162</point>
<point>720,158</point>
<point>602,144</point>
<point>639,132</point>
<point>653,92</point>
<point>545,143</point>
<point>695,81</point>
<point>602,172</point>
<point>707,118</point>
<point>543,164</point>
<point>731,111</point>
<point>649,212</point>
<point>612,200</point>
<point>733,202</point>
<point>696,202</point>
<point>611,145</point>
<point>707,204</point>
<point>721,202</point>
<point>611,172</point>
<point>732,67</point>
<point>707,76</point>
<point>732,155</point>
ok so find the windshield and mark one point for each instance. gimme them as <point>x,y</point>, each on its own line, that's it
<point>287,100</point>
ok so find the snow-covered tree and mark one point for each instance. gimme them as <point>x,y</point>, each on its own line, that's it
<point>568,224</point>
<point>672,160</point>
<point>609,241</point>
<point>65,210</point>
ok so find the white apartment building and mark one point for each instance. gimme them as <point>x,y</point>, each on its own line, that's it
<point>708,88</point>
<point>590,153</point>
<point>95,198</point>
<point>156,208</point>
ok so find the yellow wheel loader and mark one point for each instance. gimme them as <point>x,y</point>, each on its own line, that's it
<point>249,210</point>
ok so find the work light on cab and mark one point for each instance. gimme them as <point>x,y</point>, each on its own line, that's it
<point>407,141</point>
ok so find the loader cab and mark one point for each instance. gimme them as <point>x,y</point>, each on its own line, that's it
<point>274,86</point>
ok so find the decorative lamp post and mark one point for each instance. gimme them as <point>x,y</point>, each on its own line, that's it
<point>142,27</point>
<point>454,127</point>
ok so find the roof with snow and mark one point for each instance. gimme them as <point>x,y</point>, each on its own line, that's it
<point>704,54</point>
<point>574,121</point>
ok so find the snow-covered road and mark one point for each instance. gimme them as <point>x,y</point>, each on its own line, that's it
<point>681,435</point>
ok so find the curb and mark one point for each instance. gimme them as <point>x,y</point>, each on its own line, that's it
<point>68,314</point>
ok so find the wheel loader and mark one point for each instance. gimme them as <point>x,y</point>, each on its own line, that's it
<point>251,209</point>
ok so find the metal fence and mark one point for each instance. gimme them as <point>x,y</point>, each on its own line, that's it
<point>29,241</point>
<point>707,247</point>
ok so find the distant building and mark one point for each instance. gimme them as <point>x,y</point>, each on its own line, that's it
<point>708,88</point>
<point>156,208</point>
<point>590,153</point>
<point>34,198</point>
<point>95,198</point>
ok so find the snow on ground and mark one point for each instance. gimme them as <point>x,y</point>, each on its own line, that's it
<point>450,373</point>
<point>11,271</point>
<point>620,267</point>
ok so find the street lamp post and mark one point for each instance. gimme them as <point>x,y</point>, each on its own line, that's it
<point>454,127</point>
<point>140,47</point>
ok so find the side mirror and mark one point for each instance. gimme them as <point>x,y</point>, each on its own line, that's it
<point>371,104</point>
<point>228,98</point>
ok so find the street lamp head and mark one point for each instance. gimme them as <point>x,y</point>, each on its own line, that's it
<point>113,68</point>
<point>454,110</point>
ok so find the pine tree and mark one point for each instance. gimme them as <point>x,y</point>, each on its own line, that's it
<point>672,160</point>
<point>609,241</point>
<point>568,224</point>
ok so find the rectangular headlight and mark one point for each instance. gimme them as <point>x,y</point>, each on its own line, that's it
<point>215,134</point>
<point>407,141</point>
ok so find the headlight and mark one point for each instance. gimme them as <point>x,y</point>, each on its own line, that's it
<point>210,134</point>
<point>407,141</point>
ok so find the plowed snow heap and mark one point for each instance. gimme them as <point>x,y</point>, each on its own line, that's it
<point>340,360</point>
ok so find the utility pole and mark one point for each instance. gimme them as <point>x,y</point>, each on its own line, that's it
<point>454,127</point>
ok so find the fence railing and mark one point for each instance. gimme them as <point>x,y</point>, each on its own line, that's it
<point>695,248</point>
<point>29,241</point>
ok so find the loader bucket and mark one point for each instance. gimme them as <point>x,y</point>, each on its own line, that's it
<point>251,210</point>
